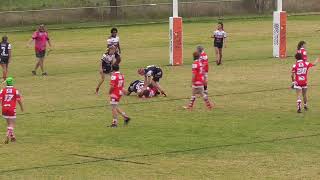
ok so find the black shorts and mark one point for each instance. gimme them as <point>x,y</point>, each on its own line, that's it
<point>218,44</point>
<point>4,60</point>
<point>41,54</point>
<point>106,68</point>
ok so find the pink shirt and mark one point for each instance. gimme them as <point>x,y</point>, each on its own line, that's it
<point>40,39</point>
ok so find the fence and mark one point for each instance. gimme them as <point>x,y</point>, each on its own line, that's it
<point>147,12</point>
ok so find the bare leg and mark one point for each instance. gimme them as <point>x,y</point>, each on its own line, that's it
<point>101,81</point>
<point>114,115</point>
<point>4,71</point>
<point>220,55</point>
<point>124,115</point>
<point>41,63</point>
<point>217,55</point>
<point>305,98</point>
<point>299,92</point>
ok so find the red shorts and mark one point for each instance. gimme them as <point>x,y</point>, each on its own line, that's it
<point>8,112</point>
<point>114,99</point>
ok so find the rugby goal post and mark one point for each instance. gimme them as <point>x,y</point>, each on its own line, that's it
<point>175,36</point>
<point>279,32</point>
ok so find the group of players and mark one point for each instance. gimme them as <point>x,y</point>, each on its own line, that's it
<point>146,87</point>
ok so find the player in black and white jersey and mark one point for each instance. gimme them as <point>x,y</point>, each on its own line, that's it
<point>152,75</point>
<point>114,40</point>
<point>135,87</point>
<point>107,60</point>
<point>5,56</point>
<point>219,37</point>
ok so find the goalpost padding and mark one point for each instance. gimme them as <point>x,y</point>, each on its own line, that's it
<point>280,32</point>
<point>176,41</point>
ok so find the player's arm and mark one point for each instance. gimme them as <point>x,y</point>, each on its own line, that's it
<point>111,90</point>
<point>225,40</point>
<point>316,61</point>
<point>119,48</point>
<point>20,104</point>
<point>10,53</point>
<point>157,85</point>
<point>30,42</point>
<point>292,79</point>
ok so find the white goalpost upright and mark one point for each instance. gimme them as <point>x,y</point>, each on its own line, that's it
<point>279,32</point>
<point>176,36</point>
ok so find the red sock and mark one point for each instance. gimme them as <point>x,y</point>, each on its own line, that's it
<point>299,104</point>
<point>10,131</point>
<point>208,103</point>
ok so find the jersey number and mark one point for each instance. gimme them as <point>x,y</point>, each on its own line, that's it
<point>301,71</point>
<point>120,83</point>
<point>8,97</point>
<point>3,53</point>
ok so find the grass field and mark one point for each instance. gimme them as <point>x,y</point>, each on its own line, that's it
<point>254,132</point>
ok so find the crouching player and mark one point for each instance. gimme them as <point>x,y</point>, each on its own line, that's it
<point>299,78</point>
<point>116,91</point>
<point>152,75</point>
<point>198,83</point>
<point>9,96</point>
<point>107,60</point>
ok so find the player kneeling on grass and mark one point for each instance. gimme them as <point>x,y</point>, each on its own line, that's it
<point>198,82</point>
<point>299,78</point>
<point>152,75</point>
<point>116,91</point>
<point>107,60</point>
<point>9,96</point>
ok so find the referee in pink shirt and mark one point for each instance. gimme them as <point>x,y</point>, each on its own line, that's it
<point>40,39</point>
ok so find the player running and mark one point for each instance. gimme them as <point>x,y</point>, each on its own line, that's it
<point>114,40</point>
<point>198,82</point>
<point>116,91</point>
<point>204,60</point>
<point>40,39</point>
<point>152,75</point>
<point>9,96</point>
<point>299,78</point>
<point>301,48</point>
<point>107,60</point>
<point>220,39</point>
<point>5,56</point>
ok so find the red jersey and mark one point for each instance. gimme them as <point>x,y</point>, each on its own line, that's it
<point>300,69</point>
<point>117,82</point>
<point>198,75</point>
<point>9,97</point>
<point>40,39</point>
<point>303,52</point>
<point>205,61</point>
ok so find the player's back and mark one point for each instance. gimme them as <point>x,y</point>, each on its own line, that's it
<point>303,52</point>
<point>9,97</point>
<point>301,69</point>
<point>117,80</point>
<point>197,70</point>
<point>205,61</point>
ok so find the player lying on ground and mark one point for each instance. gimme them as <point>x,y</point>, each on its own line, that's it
<point>137,87</point>
<point>116,91</point>
<point>301,48</point>
<point>9,97</point>
<point>114,40</point>
<point>5,56</point>
<point>152,75</point>
<point>220,39</point>
<point>107,60</point>
<point>198,83</point>
<point>299,79</point>
<point>204,60</point>
<point>40,39</point>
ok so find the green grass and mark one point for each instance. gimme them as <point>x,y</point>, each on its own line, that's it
<point>254,132</point>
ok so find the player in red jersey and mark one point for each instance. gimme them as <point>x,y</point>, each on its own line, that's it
<point>40,39</point>
<point>301,48</point>
<point>299,78</point>
<point>198,82</point>
<point>116,91</point>
<point>205,62</point>
<point>9,97</point>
